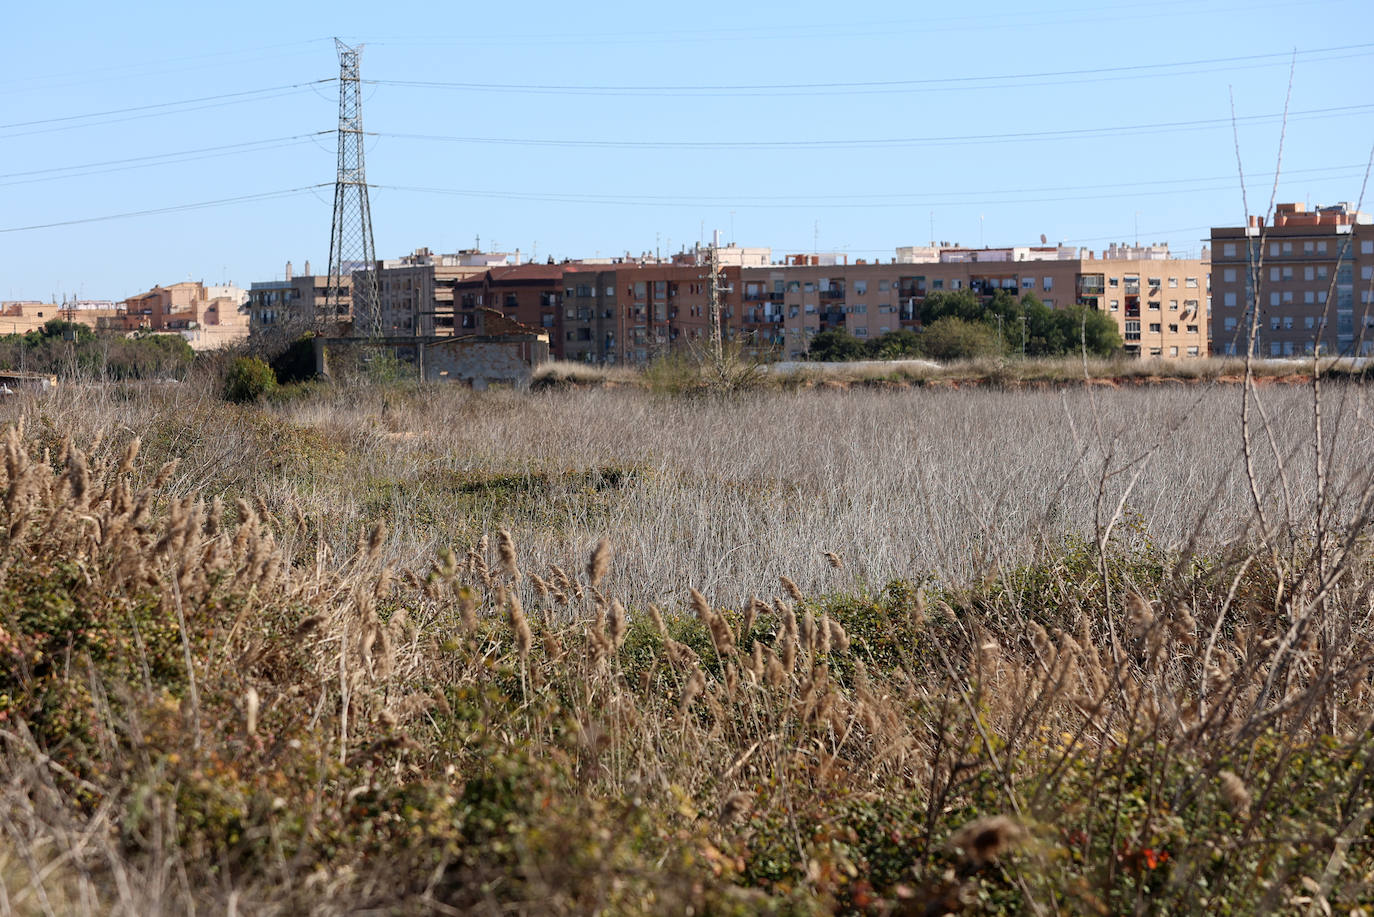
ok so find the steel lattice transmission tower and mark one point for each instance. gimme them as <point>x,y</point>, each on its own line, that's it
<point>350,237</point>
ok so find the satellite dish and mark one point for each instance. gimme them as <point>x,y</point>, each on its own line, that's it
<point>1043,240</point>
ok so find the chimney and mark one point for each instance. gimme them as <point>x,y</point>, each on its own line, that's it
<point>307,267</point>
<point>288,270</point>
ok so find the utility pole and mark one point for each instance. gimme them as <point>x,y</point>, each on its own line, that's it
<point>350,237</point>
<point>715,288</point>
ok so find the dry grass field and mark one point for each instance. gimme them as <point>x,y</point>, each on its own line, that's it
<point>799,650</point>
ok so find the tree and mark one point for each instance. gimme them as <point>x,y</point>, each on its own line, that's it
<point>895,345</point>
<point>248,379</point>
<point>952,338</point>
<point>835,346</point>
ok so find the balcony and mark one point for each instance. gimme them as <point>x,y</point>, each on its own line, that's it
<point>833,292</point>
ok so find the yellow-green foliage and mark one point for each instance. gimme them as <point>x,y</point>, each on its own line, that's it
<point>195,716</point>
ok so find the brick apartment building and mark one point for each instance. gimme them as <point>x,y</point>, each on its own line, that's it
<point>530,294</point>
<point>1313,271</point>
<point>632,311</point>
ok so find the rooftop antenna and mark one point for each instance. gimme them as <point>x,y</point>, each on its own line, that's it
<point>350,237</point>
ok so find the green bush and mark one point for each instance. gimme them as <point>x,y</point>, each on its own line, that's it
<point>248,379</point>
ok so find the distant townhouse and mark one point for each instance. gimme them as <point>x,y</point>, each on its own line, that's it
<point>22,316</point>
<point>1308,277</point>
<point>206,316</point>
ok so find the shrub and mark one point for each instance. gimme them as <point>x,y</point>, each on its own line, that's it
<point>953,338</point>
<point>248,379</point>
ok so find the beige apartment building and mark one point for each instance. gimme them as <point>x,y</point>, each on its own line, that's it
<point>287,306</point>
<point>1160,303</point>
<point>1310,275</point>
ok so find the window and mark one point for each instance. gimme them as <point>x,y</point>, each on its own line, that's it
<point>1153,282</point>
<point>1173,305</point>
<point>1321,248</point>
<point>1288,248</point>
<point>1309,322</point>
<point>1173,282</point>
<point>1274,274</point>
<point>1191,283</point>
<point>860,287</point>
<point>1229,249</point>
<point>1028,283</point>
<point>1114,281</point>
<point>1308,248</point>
<point>1229,323</point>
<point>956,284</point>
<point>1274,323</point>
<point>1287,348</point>
<point>884,286</point>
<point>1115,304</point>
<point>1367,246</point>
<point>1287,296</point>
<point>1275,348</point>
<point>1191,329</point>
<point>1321,272</point>
<point>1154,327</point>
<point>1287,273</point>
<point>861,332</point>
<point>1273,299</point>
<point>1173,351</point>
<point>1309,297</point>
<point>1173,329</point>
<point>1132,331</point>
<point>1153,305</point>
<point>1047,284</point>
<point>1228,299</point>
<point>1228,275</point>
<point>1273,249</point>
<point>1192,351</point>
<point>1309,273</point>
<point>1367,272</point>
<point>1288,322</point>
<point>937,284</point>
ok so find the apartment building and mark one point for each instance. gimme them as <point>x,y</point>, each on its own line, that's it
<point>629,312</point>
<point>417,292</point>
<point>1160,303</point>
<point>528,293</point>
<point>1310,275</point>
<point>293,304</point>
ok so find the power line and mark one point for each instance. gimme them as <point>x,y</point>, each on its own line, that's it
<point>156,159</point>
<point>880,200</point>
<point>857,143</point>
<point>158,108</point>
<point>177,208</point>
<point>800,204</point>
<point>967,82</point>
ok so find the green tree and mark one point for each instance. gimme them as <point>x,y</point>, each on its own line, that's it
<point>895,345</point>
<point>835,346</point>
<point>248,379</point>
<point>952,338</point>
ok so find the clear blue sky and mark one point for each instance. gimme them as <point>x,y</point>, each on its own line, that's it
<point>799,124</point>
